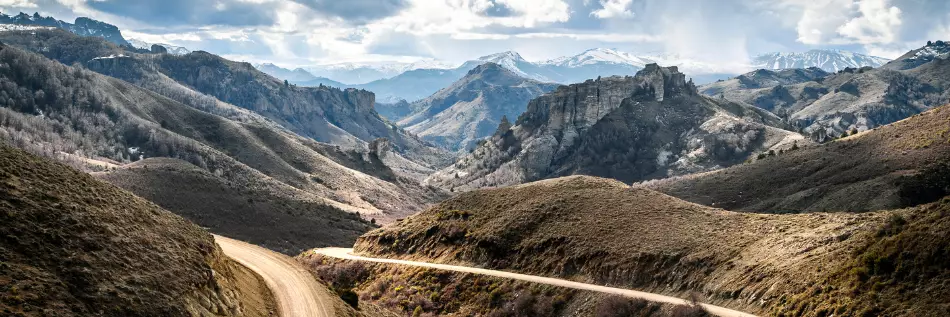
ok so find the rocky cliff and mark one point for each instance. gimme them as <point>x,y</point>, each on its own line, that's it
<point>651,125</point>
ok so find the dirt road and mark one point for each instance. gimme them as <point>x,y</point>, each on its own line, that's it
<point>715,310</point>
<point>297,292</point>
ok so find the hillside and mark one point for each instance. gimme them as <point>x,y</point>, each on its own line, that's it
<point>340,116</point>
<point>83,26</point>
<point>92,121</point>
<point>355,175</point>
<point>472,108</point>
<point>897,165</point>
<point>73,246</point>
<point>652,125</point>
<point>734,87</point>
<point>293,224</point>
<point>602,231</point>
<point>852,98</point>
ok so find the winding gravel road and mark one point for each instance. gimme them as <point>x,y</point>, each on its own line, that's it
<point>297,292</point>
<point>343,253</point>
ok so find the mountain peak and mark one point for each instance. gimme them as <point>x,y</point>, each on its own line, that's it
<point>486,67</point>
<point>507,55</point>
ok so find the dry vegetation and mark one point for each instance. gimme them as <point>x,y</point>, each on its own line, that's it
<point>903,164</point>
<point>408,291</point>
<point>273,219</point>
<point>73,246</point>
<point>96,122</point>
<point>601,231</point>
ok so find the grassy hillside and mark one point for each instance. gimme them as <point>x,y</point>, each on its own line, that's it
<point>90,119</point>
<point>262,140</point>
<point>73,246</point>
<point>200,79</point>
<point>903,164</point>
<point>404,290</point>
<point>272,219</point>
<point>601,231</point>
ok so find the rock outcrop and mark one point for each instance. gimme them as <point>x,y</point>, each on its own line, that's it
<point>651,125</point>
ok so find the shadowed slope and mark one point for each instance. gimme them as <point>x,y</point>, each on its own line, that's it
<point>73,246</point>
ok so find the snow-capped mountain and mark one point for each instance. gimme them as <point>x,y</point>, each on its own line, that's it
<point>172,49</point>
<point>513,62</point>
<point>598,56</point>
<point>828,60</point>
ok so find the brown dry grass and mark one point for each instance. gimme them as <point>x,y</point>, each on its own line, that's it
<point>601,231</point>
<point>73,246</point>
<point>412,291</point>
<point>899,165</point>
<point>267,216</point>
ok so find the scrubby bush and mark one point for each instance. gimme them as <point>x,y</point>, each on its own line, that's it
<point>350,297</point>
<point>617,306</point>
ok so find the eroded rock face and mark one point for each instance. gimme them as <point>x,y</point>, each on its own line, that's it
<point>651,125</point>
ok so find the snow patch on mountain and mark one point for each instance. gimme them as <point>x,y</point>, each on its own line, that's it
<point>172,49</point>
<point>598,55</point>
<point>827,59</point>
<point>940,49</point>
<point>18,27</point>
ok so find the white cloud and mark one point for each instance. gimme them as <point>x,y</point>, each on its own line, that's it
<point>878,23</point>
<point>18,3</point>
<point>847,21</point>
<point>613,9</point>
<point>820,18</point>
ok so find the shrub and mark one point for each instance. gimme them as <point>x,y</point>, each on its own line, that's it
<point>617,306</point>
<point>689,311</point>
<point>350,298</point>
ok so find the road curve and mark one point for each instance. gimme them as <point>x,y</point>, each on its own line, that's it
<point>297,292</point>
<point>347,254</point>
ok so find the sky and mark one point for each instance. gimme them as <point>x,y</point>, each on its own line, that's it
<point>311,32</point>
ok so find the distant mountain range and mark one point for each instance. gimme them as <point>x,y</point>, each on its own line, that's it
<point>828,60</point>
<point>82,26</point>
<point>413,81</point>
<point>361,73</point>
<point>297,76</point>
<point>827,105</point>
